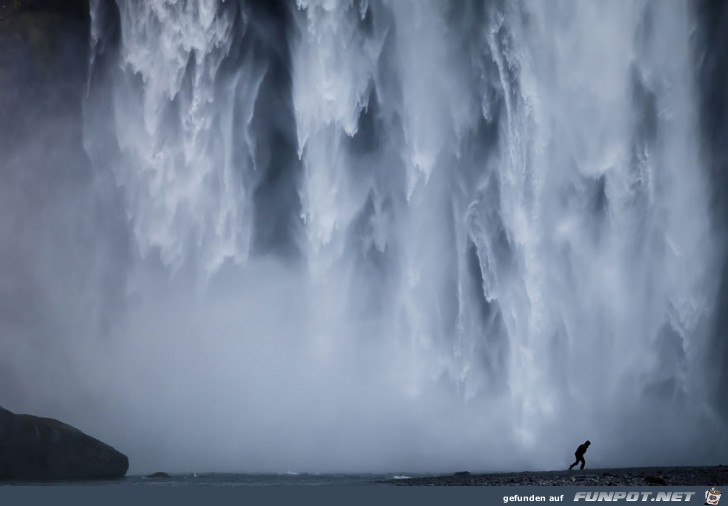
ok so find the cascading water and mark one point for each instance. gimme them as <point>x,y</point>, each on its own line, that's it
<point>380,235</point>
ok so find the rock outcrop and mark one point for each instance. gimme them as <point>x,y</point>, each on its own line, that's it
<point>43,449</point>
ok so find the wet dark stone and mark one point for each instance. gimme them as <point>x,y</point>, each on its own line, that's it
<point>159,475</point>
<point>655,480</point>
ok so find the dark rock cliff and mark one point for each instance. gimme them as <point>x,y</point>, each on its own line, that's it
<point>34,448</point>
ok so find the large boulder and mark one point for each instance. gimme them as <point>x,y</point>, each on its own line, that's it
<point>34,448</point>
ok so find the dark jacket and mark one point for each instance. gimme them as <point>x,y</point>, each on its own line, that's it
<point>582,449</point>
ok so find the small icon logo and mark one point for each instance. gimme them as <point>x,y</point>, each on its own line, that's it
<point>712,497</point>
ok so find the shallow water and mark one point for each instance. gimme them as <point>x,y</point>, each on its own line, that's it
<point>238,479</point>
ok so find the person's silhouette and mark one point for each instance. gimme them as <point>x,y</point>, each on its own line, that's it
<point>580,451</point>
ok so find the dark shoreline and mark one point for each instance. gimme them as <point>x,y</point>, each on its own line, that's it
<point>696,476</point>
<point>636,476</point>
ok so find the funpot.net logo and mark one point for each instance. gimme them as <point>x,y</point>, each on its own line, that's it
<point>671,496</point>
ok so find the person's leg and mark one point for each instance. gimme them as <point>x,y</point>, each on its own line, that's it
<point>583,463</point>
<point>575,462</point>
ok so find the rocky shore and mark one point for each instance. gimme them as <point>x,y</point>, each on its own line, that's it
<point>631,477</point>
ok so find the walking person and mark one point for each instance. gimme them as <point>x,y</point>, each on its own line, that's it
<point>580,451</point>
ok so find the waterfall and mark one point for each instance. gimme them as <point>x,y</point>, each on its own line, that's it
<point>394,234</point>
